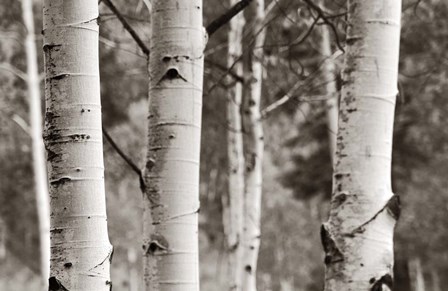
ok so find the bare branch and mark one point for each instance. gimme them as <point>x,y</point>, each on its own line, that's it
<point>126,26</point>
<point>227,16</point>
<point>114,145</point>
<point>277,104</point>
<point>225,69</point>
<point>321,14</point>
<point>13,70</point>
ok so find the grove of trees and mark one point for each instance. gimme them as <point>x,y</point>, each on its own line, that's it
<point>244,145</point>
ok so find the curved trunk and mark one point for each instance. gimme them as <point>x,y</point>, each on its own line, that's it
<point>38,153</point>
<point>233,204</point>
<point>358,238</point>
<point>254,153</point>
<point>80,247</point>
<point>171,200</point>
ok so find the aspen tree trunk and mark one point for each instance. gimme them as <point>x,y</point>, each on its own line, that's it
<point>254,153</point>
<point>171,200</point>
<point>233,207</point>
<point>358,238</point>
<point>38,153</point>
<point>329,73</point>
<point>80,247</point>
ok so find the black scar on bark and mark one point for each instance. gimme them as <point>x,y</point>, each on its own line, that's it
<point>157,244</point>
<point>110,284</point>
<point>172,73</point>
<point>393,207</point>
<point>68,265</point>
<point>111,256</point>
<point>386,280</point>
<point>60,181</point>
<point>50,46</point>
<point>332,252</point>
<point>248,269</point>
<point>55,285</point>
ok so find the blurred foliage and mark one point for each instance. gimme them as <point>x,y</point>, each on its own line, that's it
<point>297,171</point>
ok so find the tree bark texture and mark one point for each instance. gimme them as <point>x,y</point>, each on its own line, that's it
<point>358,238</point>
<point>38,152</point>
<point>80,247</point>
<point>171,200</point>
<point>254,151</point>
<point>234,202</point>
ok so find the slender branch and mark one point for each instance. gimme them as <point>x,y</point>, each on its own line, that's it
<point>277,104</point>
<point>126,26</point>
<point>114,145</point>
<point>322,15</point>
<point>13,70</point>
<point>225,69</point>
<point>227,16</point>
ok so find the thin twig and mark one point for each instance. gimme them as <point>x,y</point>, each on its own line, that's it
<point>114,145</point>
<point>13,70</point>
<point>227,16</point>
<point>126,26</point>
<point>322,15</point>
<point>225,69</point>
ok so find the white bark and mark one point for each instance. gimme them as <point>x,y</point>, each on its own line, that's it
<point>254,154</point>
<point>38,153</point>
<point>171,200</point>
<point>358,238</point>
<point>233,207</point>
<point>80,247</point>
<point>329,78</point>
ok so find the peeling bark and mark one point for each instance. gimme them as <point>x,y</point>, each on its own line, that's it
<point>254,152</point>
<point>233,204</point>
<point>171,200</point>
<point>80,247</point>
<point>364,210</point>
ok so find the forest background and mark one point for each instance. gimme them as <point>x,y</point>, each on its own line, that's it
<point>297,168</point>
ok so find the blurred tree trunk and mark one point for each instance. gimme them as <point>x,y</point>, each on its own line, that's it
<point>233,202</point>
<point>358,238</point>
<point>132,270</point>
<point>254,150</point>
<point>2,240</point>
<point>401,272</point>
<point>435,280</point>
<point>38,153</point>
<point>80,247</point>
<point>171,200</point>
<point>329,78</point>
<point>416,275</point>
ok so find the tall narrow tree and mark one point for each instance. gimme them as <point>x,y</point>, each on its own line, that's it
<point>38,153</point>
<point>254,151</point>
<point>358,238</point>
<point>233,203</point>
<point>329,78</point>
<point>80,247</point>
<point>171,200</point>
